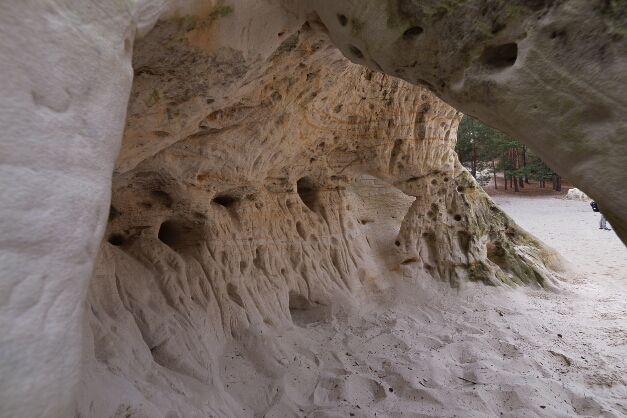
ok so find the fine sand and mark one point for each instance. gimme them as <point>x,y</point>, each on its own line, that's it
<point>424,349</point>
<point>572,228</point>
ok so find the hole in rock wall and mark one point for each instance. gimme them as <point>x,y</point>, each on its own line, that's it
<point>412,32</point>
<point>500,57</point>
<point>225,200</point>
<point>233,293</point>
<point>298,302</point>
<point>498,255</point>
<point>356,51</point>
<point>162,197</point>
<point>342,19</point>
<point>304,312</point>
<point>308,192</point>
<point>170,233</point>
<point>464,239</point>
<point>116,239</point>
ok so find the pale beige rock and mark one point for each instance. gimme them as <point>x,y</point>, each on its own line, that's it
<point>548,73</point>
<point>274,203</point>
<point>576,194</point>
<point>65,76</point>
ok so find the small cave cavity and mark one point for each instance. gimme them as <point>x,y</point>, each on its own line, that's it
<point>497,58</point>
<point>162,197</point>
<point>377,66</point>
<point>304,311</point>
<point>225,200</point>
<point>457,217</point>
<point>342,19</point>
<point>464,240</point>
<point>116,239</point>
<point>497,27</point>
<point>412,32</point>
<point>234,294</point>
<point>356,51</point>
<point>497,254</point>
<point>308,192</point>
<point>171,233</point>
<point>298,302</point>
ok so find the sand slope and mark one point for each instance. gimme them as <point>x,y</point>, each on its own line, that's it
<point>572,228</point>
<point>423,349</point>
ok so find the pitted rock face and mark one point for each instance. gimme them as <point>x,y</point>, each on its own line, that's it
<point>209,138</point>
<point>549,73</point>
<point>315,180</point>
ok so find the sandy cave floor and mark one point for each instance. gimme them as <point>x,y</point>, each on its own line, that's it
<point>423,349</point>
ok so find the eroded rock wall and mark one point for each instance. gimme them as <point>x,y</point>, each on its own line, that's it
<point>312,181</point>
<point>559,62</point>
<point>551,73</point>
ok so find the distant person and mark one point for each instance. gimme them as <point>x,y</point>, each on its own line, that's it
<point>603,221</point>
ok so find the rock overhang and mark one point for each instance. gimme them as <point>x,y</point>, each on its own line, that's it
<point>570,54</point>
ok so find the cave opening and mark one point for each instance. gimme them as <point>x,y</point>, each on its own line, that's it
<point>500,57</point>
<point>162,197</point>
<point>308,192</point>
<point>169,233</point>
<point>412,32</point>
<point>225,200</point>
<point>116,240</point>
<point>298,302</point>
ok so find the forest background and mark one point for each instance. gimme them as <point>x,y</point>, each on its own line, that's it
<point>486,153</point>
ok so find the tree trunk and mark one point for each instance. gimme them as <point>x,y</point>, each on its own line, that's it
<point>520,179</point>
<point>504,170</point>
<point>558,184</point>
<point>474,159</point>
<point>516,184</point>
<point>512,164</point>
<point>524,152</point>
<point>517,164</point>
<point>494,171</point>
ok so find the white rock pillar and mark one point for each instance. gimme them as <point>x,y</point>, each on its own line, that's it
<point>65,77</point>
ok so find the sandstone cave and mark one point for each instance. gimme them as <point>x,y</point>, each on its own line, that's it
<point>228,208</point>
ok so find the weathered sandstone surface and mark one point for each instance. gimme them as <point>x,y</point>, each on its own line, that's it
<point>314,180</point>
<point>260,174</point>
